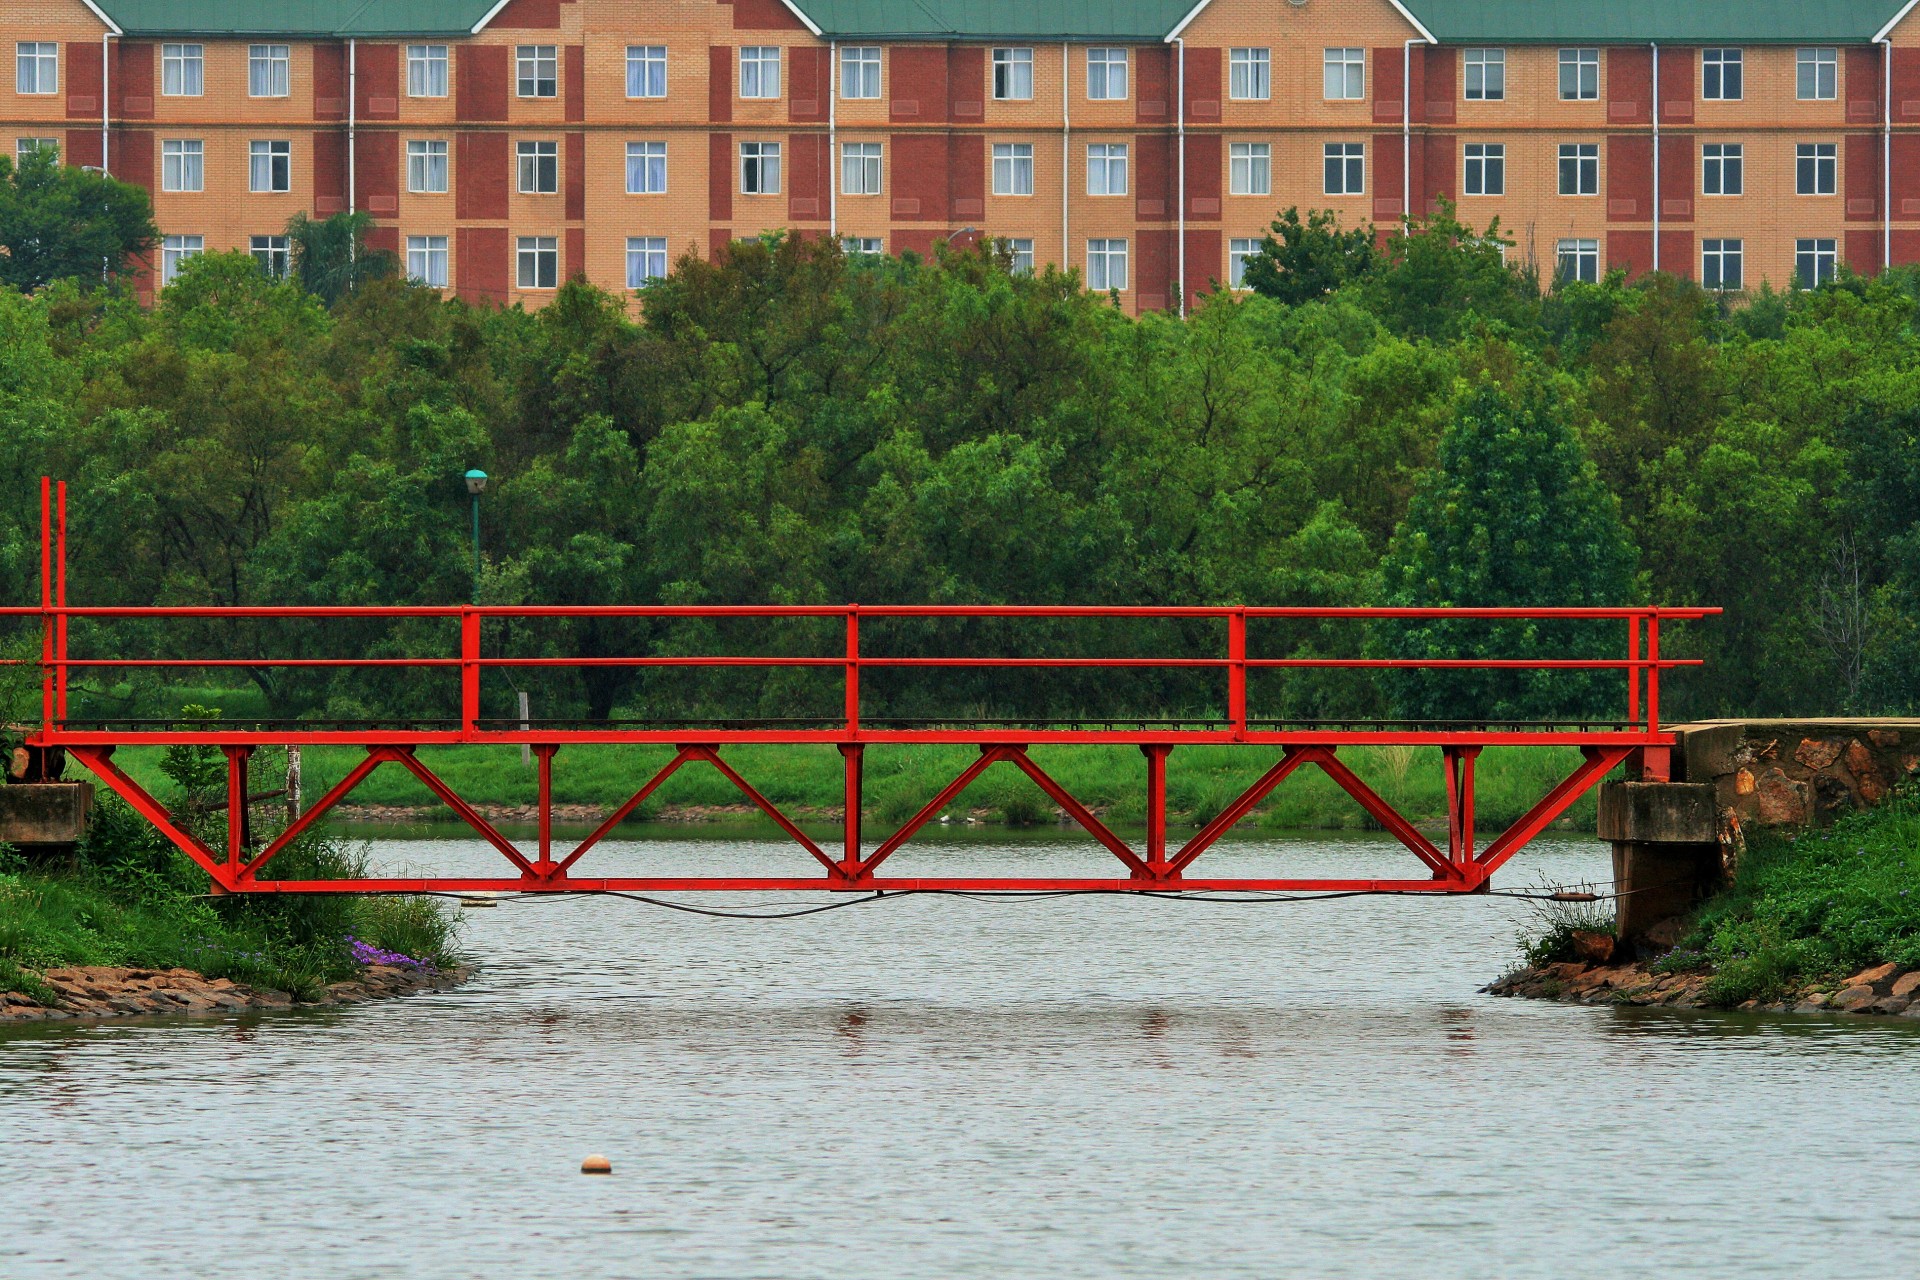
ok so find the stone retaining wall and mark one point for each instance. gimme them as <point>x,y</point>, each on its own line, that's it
<point>1796,773</point>
<point>1884,990</point>
<point>104,991</point>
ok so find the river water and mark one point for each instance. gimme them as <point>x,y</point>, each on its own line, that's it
<point>945,1087</point>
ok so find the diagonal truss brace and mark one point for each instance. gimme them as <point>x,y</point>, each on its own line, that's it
<point>100,761</point>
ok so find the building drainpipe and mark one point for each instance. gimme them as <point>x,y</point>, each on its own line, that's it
<point>353,103</point>
<point>1066,161</point>
<point>833,135</point>
<point>106,100</point>
<point>1406,135</point>
<point>1180,307</point>
<point>1886,154</point>
<point>1656,154</point>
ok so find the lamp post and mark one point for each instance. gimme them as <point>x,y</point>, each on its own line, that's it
<point>476,482</point>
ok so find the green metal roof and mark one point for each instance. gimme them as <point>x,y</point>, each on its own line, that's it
<point>1730,22</point>
<point>996,19</point>
<point>296,17</point>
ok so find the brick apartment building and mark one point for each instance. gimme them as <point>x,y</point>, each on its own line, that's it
<point>503,146</point>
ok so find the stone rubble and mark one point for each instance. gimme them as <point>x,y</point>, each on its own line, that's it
<point>1881,990</point>
<point>105,991</point>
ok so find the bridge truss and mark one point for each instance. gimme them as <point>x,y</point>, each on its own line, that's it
<point>1457,862</point>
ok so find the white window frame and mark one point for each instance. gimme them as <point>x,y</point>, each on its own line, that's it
<point>1584,255</point>
<point>1720,161</point>
<point>1250,168</point>
<point>1349,161</point>
<point>1238,251</point>
<point>533,160</point>
<point>183,70</point>
<point>760,71</point>
<point>646,260</point>
<point>1484,75</point>
<point>273,253</point>
<point>1825,256</point>
<point>1013,168</point>
<point>1106,168</point>
<point>36,67</point>
<point>763,160</point>
<point>183,164</point>
<point>1717,66</point>
<point>174,251</point>
<point>1106,73</point>
<point>24,147</point>
<point>1816,169</point>
<point>646,168</point>
<point>860,78</point>
<point>1020,250</point>
<point>269,166</point>
<point>427,261</point>
<point>1483,169</point>
<point>1107,265</point>
<point>426,71</point>
<point>1250,74</point>
<point>269,71</point>
<point>1585,157</point>
<point>860,168</point>
<point>427,166</point>
<point>646,71</point>
<point>862,246</point>
<point>1343,74</point>
<point>530,254</point>
<point>1720,252</point>
<point>536,71</point>
<point>1816,74</point>
<point>1011,74</point>
<point>1580,73</point>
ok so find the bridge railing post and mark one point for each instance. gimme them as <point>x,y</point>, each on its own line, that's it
<point>1633,671</point>
<point>1237,672</point>
<point>469,670</point>
<point>46,603</point>
<point>853,669</point>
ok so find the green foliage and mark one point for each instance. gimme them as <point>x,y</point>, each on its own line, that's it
<point>1302,261</point>
<point>1547,936</point>
<point>62,222</point>
<point>331,258</point>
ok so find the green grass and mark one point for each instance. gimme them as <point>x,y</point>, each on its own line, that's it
<point>1816,907</point>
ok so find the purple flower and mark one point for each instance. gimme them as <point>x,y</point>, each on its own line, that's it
<point>367,953</point>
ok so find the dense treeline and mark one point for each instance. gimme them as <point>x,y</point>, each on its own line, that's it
<point>787,424</point>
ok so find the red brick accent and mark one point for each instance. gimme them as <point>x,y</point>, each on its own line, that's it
<point>576,251</point>
<point>481,77</point>
<point>481,264</point>
<point>1629,86</point>
<point>531,15</point>
<point>480,176</point>
<point>329,82</point>
<point>720,164</point>
<point>1438,172</point>
<point>809,173</point>
<point>1677,68</point>
<point>81,147</point>
<point>1205,84</point>
<point>919,177</point>
<point>1204,260</point>
<point>1204,166</point>
<point>1442,86</point>
<point>1151,267</point>
<point>918,84</point>
<point>1860,153</point>
<point>133,157</point>
<point>1388,174</point>
<point>764,15</point>
<point>1862,85</point>
<point>808,85</point>
<point>1153,177</point>
<point>1628,181</point>
<point>1153,84</point>
<point>1906,175</point>
<point>384,239</point>
<point>1862,249</point>
<point>718,238</point>
<point>133,75</point>
<point>1679,176</point>
<point>720,83</point>
<point>1633,250</point>
<point>1906,91</point>
<point>82,72</point>
<point>574,78</point>
<point>966,83</point>
<point>918,240</point>
<point>376,170</point>
<point>329,172</point>
<point>377,81</point>
<point>574,181</point>
<point>1385,73</point>
<point>967,179</point>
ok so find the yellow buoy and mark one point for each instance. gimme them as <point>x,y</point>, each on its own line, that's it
<point>596,1164</point>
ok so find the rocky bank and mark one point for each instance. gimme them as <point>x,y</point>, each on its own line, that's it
<point>103,991</point>
<point>1883,991</point>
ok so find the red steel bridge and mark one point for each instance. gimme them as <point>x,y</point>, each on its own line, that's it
<point>1458,862</point>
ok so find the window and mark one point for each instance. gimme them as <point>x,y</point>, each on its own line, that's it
<point>1106,169</point>
<point>1579,74</point>
<point>183,70</point>
<point>1250,74</point>
<point>269,72</point>
<point>1020,255</point>
<point>863,246</point>
<point>1238,251</point>
<point>1722,169</point>
<point>36,67</point>
<point>1013,168</point>
<point>1486,75</point>
<point>1720,82</point>
<point>1250,169</point>
<point>1106,264</point>
<point>24,147</point>
<point>1813,168</point>
<point>1577,260</point>
<point>182,165</point>
<point>426,71</point>
<point>274,254</point>
<point>175,250</point>
<point>1013,74</point>
<point>860,168</point>
<point>539,168</point>
<point>646,71</point>
<point>1819,74</point>
<point>760,168</point>
<point>1346,168</point>
<point>646,260</point>
<point>539,262</point>
<point>646,168</point>
<point>537,70</point>
<point>860,71</point>
<point>1813,263</point>
<point>427,260</point>
<point>269,166</point>
<point>1720,264</point>
<point>1345,73</point>
<point>1486,169</point>
<point>760,71</point>
<point>1579,168</point>
<point>426,166</point>
<point>1107,74</point>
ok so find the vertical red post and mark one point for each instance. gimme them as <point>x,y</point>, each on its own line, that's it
<point>237,804</point>
<point>1633,672</point>
<point>855,756</point>
<point>1459,767</point>
<point>46,602</point>
<point>853,669</point>
<point>1653,672</point>
<point>469,670</point>
<point>1157,753</point>
<point>60,606</point>
<point>1237,672</point>
<point>544,864</point>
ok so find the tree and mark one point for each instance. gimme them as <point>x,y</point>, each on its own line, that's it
<point>64,223</point>
<point>1514,515</point>
<point>1302,261</point>
<point>331,259</point>
<point>1441,274</point>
